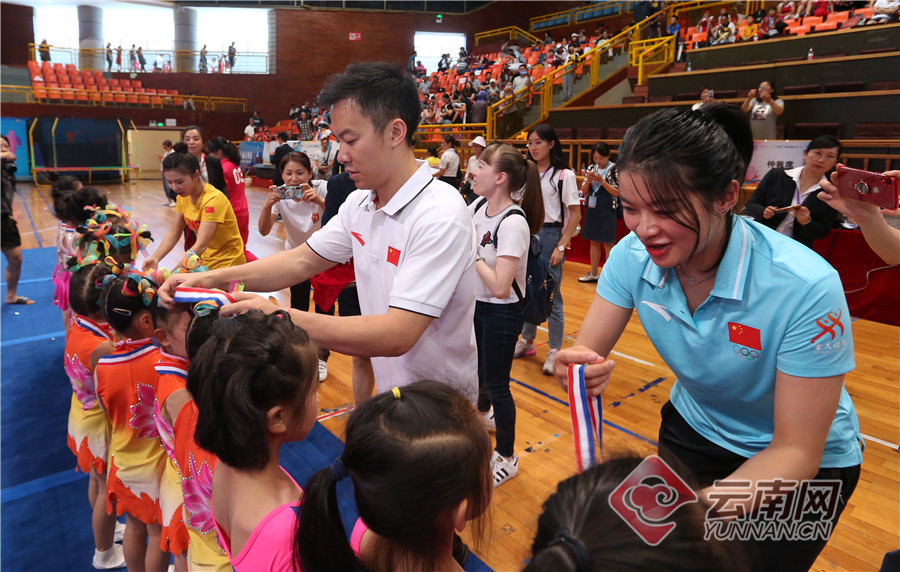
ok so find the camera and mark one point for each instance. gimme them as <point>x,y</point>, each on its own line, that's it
<point>289,191</point>
<point>873,188</point>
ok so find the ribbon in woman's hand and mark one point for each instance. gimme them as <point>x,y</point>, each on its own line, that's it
<point>587,419</point>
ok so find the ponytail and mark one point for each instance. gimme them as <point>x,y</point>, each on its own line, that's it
<point>320,542</point>
<point>533,198</point>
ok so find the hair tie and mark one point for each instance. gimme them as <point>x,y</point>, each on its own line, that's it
<point>338,470</point>
<point>396,392</point>
<point>582,556</point>
<point>106,281</point>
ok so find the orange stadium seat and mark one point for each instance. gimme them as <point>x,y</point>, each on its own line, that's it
<point>108,97</point>
<point>798,30</point>
<point>81,95</point>
<point>119,97</point>
<point>113,82</point>
<point>39,91</point>
<point>100,80</point>
<point>826,26</point>
<point>812,20</point>
<point>132,98</point>
<point>135,84</point>
<point>103,88</point>
<point>59,68</point>
<point>128,89</point>
<point>94,96</point>
<point>53,94</point>
<point>125,82</point>
<point>144,99</point>
<point>98,74</point>
<point>156,100</point>
<point>839,17</point>
<point>67,94</point>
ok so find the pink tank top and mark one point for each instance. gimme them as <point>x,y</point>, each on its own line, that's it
<point>271,545</point>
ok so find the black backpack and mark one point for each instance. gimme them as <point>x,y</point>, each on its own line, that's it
<point>540,285</point>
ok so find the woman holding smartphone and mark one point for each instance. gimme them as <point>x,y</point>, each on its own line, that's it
<point>601,207</point>
<point>754,326</point>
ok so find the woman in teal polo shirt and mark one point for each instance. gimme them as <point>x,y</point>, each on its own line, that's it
<point>754,325</point>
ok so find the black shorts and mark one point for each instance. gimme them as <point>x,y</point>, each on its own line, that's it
<point>683,447</point>
<point>9,237</point>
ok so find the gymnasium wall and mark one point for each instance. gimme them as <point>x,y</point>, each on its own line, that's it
<point>18,32</point>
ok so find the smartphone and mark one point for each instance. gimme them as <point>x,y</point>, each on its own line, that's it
<point>710,93</point>
<point>873,188</point>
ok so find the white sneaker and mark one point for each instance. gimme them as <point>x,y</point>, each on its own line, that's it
<point>524,348</point>
<point>550,362</point>
<point>323,371</point>
<point>489,419</point>
<point>119,535</point>
<point>112,558</point>
<point>502,469</point>
<point>589,277</point>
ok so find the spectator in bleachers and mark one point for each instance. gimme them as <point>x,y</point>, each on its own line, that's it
<point>109,59</point>
<point>132,59</point>
<point>706,22</point>
<point>884,12</point>
<point>292,114</point>
<point>468,90</point>
<point>772,25</point>
<point>478,146</point>
<point>257,119</point>
<point>448,113</point>
<point>523,81</point>
<point>204,64</point>
<point>493,92</point>
<point>448,168</point>
<point>433,159</point>
<point>411,64</point>
<point>232,56</point>
<point>141,59</point>
<point>278,154</point>
<point>787,200</point>
<point>786,9</point>
<point>548,39</point>
<point>420,70</point>
<point>324,158</point>
<point>819,8</point>
<point>304,124</point>
<point>750,30</point>
<point>119,57</point>
<point>479,108</point>
<point>44,50</point>
<point>764,108</point>
<point>724,32</point>
<point>249,130</point>
<point>572,59</point>
<point>706,96</point>
<point>429,114</point>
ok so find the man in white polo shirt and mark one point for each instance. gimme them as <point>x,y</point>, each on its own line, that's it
<point>410,237</point>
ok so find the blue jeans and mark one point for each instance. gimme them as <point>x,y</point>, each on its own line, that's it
<point>555,323</point>
<point>496,329</point>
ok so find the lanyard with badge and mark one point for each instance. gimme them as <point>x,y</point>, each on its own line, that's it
<point>592,198</point>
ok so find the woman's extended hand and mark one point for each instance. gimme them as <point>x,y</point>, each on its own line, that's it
<point>596,374</point>
<point>244,302</point>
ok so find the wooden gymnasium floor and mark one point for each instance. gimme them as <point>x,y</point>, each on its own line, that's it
<point>869,527</point>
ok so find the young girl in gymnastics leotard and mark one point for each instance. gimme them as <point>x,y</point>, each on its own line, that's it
<point>252,396</point>
<point>419,457</point>
<point>88,429</point>
<point>170,331</point>
<point>126,388</point>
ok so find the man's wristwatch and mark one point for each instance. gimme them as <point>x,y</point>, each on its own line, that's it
<point>561,248</point>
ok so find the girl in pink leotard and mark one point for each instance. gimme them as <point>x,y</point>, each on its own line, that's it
<point>419,458</point>
<point>252,396</point>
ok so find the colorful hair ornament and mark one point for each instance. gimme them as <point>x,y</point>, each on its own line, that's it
<point>143,286</point>
<point>191,263</point>
<point>105,281</point>
<point>84,261</point>
<point>117,267</point>
<point>203,300</point>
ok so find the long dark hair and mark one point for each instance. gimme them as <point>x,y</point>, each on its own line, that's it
<point>521,173</point>
<point>681,153</point>
<point>225,146</point>
<point>235,384</point>
<point>413,459</point>
<point>84,295</point>
<point>546,132</point>
<point>122,302</point>
<point>581,511</point>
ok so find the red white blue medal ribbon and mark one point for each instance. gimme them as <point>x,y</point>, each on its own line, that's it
<point>185,295</point>
<point>587,416</point>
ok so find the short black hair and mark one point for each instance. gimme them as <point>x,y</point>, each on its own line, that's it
<point>283,135</point>
<point>383,92</point>
<point>84,295</point>
<point>69,206</point>
<point>184,162</point>
<point>825,142</point>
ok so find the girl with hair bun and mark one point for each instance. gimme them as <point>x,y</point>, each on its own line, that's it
<point>505,229</point>
<point>88,429</point>
<point>126,389</point>
<point>754,324</point>
<point>419,458</point>
<point>251,398</point>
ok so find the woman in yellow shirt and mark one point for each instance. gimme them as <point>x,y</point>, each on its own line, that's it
<point>203,209</point>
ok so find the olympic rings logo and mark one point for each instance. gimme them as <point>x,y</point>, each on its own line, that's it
<point>745,353</point>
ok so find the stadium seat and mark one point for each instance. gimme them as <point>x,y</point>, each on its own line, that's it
<point>128,89</point>
<point>113,82</point>
<point>812,130</point>
<point>726,93</point>
<point>40,93</point>
<point>867,12</point>
<point>156,100</point>
<point>136,84</point>
<point>94,96</point>
<point>826,26</point>
<point>81,96</point>
<point>800,89</point>
<point>659,98</point>
<point>842,86</point>
<point>59,69</point>
<point>616,132</point>
<point>839,17</point>
<point>98,73</point>
<point>132,98</point>
<point>119,97</point>
<point>812,20</point>
<point>887,130</point>
<point>590,133</point>
<point>54,94</point>
<point>881,85</point>
<point>144,99</point>
<point>632,99</point>
<point>125,82</point>
<point>798,30</point>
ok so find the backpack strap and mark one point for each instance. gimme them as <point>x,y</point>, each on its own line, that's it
<point>516,210</point>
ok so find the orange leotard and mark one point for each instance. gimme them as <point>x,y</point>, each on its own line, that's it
<point>88,433</point>
<point>172,372</point>
<point>197,466</point>
<point>126,384</point>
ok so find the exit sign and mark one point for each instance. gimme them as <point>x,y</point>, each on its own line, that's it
<point>355,36</point>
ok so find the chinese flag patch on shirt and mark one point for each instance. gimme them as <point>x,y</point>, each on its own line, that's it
<point>744,335</point>
<point>393,255</point>
<point>209,210</point>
